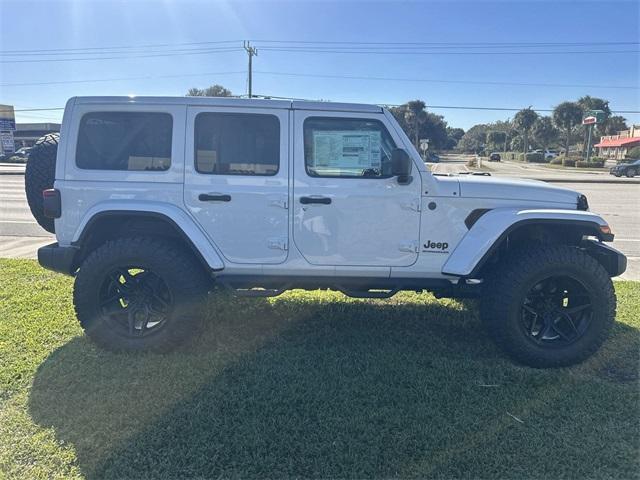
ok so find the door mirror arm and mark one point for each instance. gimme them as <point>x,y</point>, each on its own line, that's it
<point>401,166</point>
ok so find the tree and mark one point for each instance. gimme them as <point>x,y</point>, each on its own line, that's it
<point>615,124</point>
<point>496,139</point>
<point>566,116</point>
<point>453,137</point>
<point>417,123</point>
<point>474,139</point>
<point>523,121</point>
<point>545,132</point>
<point>212,91</point>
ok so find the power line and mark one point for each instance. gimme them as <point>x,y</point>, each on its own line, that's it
<point>99,80</point>
<point>123,47</point>
<point>403,52</point>
<point>191,52</point>
<point>511,44</point>
<point>430,80</point>
<point>314,75</point>
<point>324,42</point>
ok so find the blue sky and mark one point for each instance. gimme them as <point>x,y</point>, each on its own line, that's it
<point>26,25</point>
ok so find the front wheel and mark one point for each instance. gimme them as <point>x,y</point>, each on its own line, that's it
<point>631,173</point>
<point>139,294</point>
<point>549,305</point>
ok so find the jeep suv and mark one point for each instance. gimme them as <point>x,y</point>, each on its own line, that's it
<point>158,202</point>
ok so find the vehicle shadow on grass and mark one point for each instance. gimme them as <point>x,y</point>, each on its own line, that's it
<point>305,387</point>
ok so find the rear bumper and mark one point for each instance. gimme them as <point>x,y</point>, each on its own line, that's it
<point>57,258</point>
<point>613,261</point>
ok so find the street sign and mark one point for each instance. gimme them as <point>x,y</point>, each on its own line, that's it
<point>589,120</point>
<point>424,144</point>
<point>6,142</point>
<point>598,116</point>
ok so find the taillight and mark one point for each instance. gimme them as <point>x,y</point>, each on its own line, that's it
<point>51,203</point>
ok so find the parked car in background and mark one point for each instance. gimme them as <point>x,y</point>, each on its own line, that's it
<point>431,157</point>
<point>22,152</point>
<point>495,157</point>
<point>548,154</point>
<point>628,169</point>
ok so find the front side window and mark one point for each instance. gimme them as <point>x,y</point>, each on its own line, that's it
<point>138,141</point>
<point>347,147</point>
<point>237,144</point>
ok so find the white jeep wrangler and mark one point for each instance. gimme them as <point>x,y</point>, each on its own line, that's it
<point>157,200</point>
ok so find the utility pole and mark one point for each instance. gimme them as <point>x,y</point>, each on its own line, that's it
<point>251,51</point>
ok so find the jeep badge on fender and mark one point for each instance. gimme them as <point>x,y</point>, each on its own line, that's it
<point>158,200</point>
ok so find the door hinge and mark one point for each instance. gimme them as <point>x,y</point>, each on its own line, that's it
<point>412,205</point>
<point>277,243</point>
<point>411,247</point>
<point>280,202</point>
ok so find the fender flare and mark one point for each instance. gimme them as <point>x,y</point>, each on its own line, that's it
<point>493,227</point>
<point>189,230</point>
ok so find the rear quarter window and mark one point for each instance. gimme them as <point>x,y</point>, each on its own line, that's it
<point>133,141</point>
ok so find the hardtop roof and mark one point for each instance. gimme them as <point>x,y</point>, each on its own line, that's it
<point>234,102</point>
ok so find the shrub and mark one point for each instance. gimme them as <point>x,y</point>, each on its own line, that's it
<point>557,160</point>
<point>633,153</point>
<point>590,164</point>
<point>510,155</point>
<point>568,162</point>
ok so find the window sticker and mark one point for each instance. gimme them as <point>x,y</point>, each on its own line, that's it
<point>347,149</point>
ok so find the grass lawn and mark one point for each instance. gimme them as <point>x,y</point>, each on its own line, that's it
<point>307,385</point>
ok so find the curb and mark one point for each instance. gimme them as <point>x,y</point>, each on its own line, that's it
<point>588,180</point>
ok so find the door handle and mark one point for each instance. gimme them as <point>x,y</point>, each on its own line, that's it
<point>321,200</point>
<point>214,197</point>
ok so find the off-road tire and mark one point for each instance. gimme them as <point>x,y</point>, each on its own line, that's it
<point>39,175</point>
<point>507,285</point>
<point>631,173</point>
<point>184,276</point>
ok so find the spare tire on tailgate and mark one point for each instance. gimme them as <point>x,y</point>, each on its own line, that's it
<point>40,175</point>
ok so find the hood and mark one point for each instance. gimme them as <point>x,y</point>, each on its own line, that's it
<point>473,186</point>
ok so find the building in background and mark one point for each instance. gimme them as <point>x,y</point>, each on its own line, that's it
<point>26,134</point>
<point>617,146</point>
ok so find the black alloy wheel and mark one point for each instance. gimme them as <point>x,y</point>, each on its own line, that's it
<point>556,311</point>
<point>135,301</point>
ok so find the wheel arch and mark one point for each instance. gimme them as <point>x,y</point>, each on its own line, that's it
<point>114,223</point>
<point>498,229</point>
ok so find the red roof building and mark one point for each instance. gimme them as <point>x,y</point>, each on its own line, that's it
<point>617,146</point>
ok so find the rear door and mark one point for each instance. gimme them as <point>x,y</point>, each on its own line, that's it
<point>236,180</point>
<point>348,209</point>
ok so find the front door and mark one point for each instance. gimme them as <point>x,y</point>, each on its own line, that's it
<point>236,180</point>
<point>348,209</point>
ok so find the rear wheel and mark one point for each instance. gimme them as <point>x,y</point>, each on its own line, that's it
<point>549,306</point>
<point>40,175</point>
<point>631,173</point>
<point>140,293</point>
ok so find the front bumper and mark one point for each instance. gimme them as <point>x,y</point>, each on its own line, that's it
<point>613,261</point>
<point>57,258</point>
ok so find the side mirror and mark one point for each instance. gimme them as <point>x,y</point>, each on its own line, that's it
<point>401,166</point>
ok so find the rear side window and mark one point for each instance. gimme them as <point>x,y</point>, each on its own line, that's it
<point>237,144</point>
<point>136,141</point>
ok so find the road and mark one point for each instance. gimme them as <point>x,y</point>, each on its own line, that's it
<point>20,235</point>
<point>619,204</point>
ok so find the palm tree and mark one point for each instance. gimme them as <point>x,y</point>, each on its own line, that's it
<point>566,116</point>
<point>415,115</point>
<point>523,121</point>
<point>545,132</point>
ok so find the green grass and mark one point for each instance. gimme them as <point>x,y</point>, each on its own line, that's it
<point>307,385</point>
